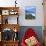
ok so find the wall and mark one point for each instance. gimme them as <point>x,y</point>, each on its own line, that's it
<point>39,13</point>
<point>7,3</point>
<point>22,4</point>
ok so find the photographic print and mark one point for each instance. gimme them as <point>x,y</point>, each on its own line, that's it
<point>30,12</point>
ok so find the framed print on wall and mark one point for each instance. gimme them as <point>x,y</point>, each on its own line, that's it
<point>30,12</point>
<point>5,12</point>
